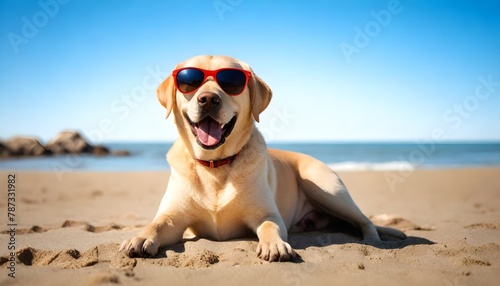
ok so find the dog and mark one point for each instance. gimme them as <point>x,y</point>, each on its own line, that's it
<point>225,183</point>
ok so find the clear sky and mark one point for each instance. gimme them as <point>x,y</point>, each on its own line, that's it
<point>340,70</point>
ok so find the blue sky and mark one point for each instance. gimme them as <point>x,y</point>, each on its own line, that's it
<point>340,70</point>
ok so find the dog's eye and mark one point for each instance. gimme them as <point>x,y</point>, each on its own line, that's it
<point>189,80</point>
<point>231,81</point>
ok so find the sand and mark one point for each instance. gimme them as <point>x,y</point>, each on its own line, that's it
<point>69,229</point>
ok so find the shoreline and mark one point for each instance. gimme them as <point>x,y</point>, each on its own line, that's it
<point>340,157</point>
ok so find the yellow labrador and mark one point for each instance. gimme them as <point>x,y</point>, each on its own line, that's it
<point>224,181</point>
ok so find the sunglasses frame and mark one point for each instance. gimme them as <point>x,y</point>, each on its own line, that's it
<point>213,74</point>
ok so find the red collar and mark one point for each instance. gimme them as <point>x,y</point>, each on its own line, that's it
<point>217,163</point>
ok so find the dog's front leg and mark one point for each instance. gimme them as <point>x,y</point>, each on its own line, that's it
<point>272,234</point>
<point>168,226</point>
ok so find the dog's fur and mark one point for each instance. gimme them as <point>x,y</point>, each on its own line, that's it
<point>269,192</point>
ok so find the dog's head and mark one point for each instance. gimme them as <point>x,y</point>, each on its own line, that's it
<point>213,120</point>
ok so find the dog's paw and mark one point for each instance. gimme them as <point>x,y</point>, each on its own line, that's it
<point>139,247</point>
<point>276,251</point>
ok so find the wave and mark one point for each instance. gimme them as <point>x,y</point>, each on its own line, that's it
<point>370,166</point>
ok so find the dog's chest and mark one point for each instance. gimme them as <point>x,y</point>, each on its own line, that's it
<point>220,217</point>
<point>218,199</point>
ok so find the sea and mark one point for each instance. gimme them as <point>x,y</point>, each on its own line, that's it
<point>354,156</point>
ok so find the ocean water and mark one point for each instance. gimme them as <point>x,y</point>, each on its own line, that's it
<point>339,156</point>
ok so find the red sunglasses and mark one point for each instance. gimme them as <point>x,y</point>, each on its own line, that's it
<point>232,81</point>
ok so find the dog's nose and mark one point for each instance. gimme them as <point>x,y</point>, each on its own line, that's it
<point>208,100</point>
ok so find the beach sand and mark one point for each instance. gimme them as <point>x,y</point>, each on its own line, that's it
<point>69,227</point>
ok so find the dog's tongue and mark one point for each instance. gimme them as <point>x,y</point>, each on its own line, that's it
<point>209,132</point>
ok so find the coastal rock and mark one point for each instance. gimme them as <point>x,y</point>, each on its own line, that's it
<point>4,151</point>
<point>121,153</point>
<point>100,150</point>
<point>24,146</point>
<point>69,142</point>
<point>66,142</point>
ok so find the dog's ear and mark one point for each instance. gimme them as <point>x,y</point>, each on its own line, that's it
<point>166,94</point>
<point>260,95</point>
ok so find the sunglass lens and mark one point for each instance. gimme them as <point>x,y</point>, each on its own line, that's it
<point>232,81</point>
<point>188,80</point>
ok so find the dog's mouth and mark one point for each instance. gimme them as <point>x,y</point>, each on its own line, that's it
<point>209,133</point>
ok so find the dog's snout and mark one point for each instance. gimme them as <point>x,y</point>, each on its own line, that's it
<point>208,100</point>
